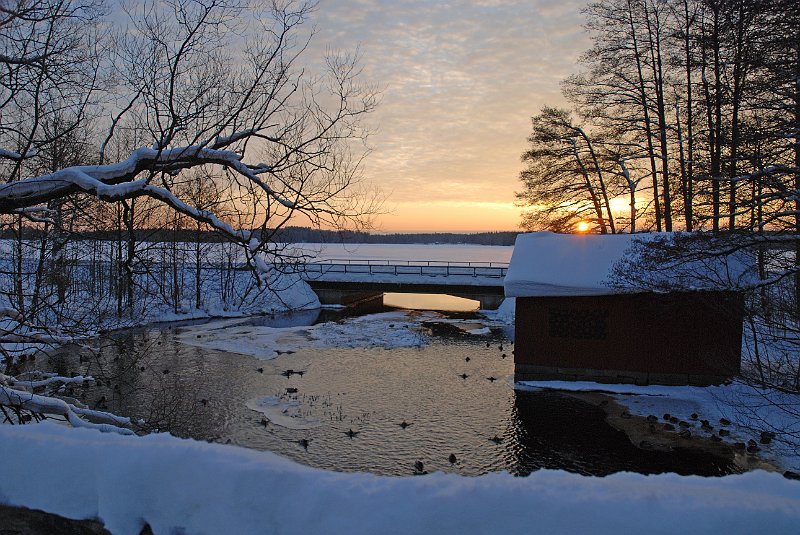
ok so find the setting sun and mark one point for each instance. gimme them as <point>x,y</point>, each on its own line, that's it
<point>583,226</point>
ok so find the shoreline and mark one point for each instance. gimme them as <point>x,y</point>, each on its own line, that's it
<point>651,436</point>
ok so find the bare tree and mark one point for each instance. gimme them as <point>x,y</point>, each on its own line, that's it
<point>201,103</point>
<point>621,87</point>
<point>564,179</point>
<point>216,85</point>
<point>52,55</point>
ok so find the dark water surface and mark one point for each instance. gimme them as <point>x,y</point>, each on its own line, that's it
<point>203,394</point>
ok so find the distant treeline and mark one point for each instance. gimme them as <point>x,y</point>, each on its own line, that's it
<point>290,235</point>
<point>310,235</point>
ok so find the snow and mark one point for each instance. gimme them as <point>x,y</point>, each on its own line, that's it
<point>545,263</point>
<point>185,486</point>
<point>387,330</point>
<point>479,331</point>
<point>412,276</point>
<point>283,412</point>
<point>505,313</point>
<point>548,264</point>
<point>480,254</point>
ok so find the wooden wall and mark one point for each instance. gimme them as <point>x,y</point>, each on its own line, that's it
<point>675,338</point>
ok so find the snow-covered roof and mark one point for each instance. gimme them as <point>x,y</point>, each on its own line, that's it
<point>548,264</point>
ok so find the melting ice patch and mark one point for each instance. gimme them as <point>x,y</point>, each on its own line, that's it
<point>283,412</point>
<point>474,327</point>
<point>387,330</point>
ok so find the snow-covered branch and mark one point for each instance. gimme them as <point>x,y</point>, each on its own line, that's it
<point>15,156</point>
<point>37,404</point>
<point>48,380</point>
<point>117,181</point>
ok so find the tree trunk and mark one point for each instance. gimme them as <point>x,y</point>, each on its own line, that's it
<point>689,176</point>
<point>683,165</point>
<point>646,113</point>
<point>19,279</point>
<point>740,68</point>
<point>796,120</point>
<point>658,85</point>
<point>128,219</point>
<point>598,210</point>
<point>716,156</point>
<point>601,181</point>
<point>197,267</point>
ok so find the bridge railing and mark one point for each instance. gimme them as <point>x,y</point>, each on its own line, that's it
<point>408,267</point>
<point>381,262</point>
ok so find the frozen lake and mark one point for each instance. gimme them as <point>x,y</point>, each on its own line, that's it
<point>435,252</point>
<point>217,252</point>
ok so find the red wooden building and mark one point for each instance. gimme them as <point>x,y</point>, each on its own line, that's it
<point>571,324</point>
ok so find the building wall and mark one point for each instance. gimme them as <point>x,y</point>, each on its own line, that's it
<point>675,338</point>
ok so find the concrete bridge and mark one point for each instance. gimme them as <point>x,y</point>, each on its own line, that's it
<point>345,281</point>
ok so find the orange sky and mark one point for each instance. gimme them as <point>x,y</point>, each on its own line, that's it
<point>461,80</point>
<point>451,216</point>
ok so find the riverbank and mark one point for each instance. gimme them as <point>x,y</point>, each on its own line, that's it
<point>720,419</point>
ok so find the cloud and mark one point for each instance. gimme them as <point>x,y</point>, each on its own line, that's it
<point>462,79</point>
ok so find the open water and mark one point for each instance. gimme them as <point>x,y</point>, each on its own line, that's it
<point>449,405</point>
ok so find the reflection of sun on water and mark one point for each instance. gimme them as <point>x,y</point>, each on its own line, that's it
<point>430,302</point>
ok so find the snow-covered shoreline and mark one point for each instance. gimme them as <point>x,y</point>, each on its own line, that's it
<point>740,404</point>
<point>185,486</point>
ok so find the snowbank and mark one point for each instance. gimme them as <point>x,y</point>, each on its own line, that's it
<point>284,292</point>
<point>184,486</point>
<point>234,293</point>
<point>505,313</point>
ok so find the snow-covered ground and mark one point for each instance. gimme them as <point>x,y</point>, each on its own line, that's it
<point>225,292</point>
<point>387,330</point>
<point>750,411</point>
<point>185,486</point>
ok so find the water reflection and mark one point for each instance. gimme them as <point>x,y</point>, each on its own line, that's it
<point>414,301</point>
<point>557,431</point>
<point>454,397</point>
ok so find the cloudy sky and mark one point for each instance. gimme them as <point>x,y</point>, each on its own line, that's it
<point>460,80</point>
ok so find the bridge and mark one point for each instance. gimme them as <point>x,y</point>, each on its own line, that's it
<point>341,281</point>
